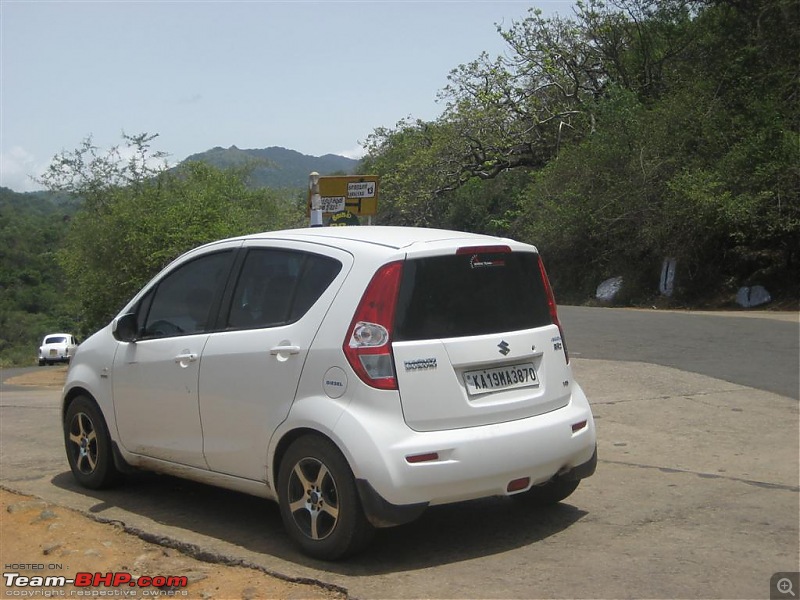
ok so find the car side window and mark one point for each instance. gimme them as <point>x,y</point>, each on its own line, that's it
<point>318,273</point>
<point>277,287</point>
<point>181,303</point>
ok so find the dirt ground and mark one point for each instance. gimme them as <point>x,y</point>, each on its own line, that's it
<point>43,377</point>
<point>38,539</point>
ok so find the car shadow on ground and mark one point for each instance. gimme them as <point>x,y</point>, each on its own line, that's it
<point>443,535</point>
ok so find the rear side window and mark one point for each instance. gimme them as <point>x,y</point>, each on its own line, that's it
<point>277,287</point>
<point>470,294</point>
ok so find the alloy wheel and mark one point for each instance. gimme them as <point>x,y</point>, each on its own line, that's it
<point>84,437</point>
<point>313,498</point>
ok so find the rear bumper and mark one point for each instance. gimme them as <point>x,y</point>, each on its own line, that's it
<point>382,513</point>
<point>466,463</point>
<point>57,358</point>
<point>583,471</point>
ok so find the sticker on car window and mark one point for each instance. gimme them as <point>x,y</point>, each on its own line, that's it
<point>476,262</point>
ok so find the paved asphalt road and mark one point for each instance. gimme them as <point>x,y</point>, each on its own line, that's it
<point>763,353</point>
<point>695,496</point>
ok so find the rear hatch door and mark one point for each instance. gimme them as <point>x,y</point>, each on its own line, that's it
<point>474,341</point>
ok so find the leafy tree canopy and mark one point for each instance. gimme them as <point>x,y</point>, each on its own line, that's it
<point>32,285</point>
<point>137,217</point>
<point>645,129</point>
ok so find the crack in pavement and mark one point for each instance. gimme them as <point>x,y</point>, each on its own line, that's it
<point>692,396</point>
<point>761,484</point>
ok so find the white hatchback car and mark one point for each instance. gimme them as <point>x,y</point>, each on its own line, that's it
<point>57,347</point>
<point>356,375</point>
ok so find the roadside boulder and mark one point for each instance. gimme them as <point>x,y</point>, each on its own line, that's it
<point>750,296</point>
<point>608,289</point>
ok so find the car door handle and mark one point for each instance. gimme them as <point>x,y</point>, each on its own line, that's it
<point>285,350</point>
<point>186,358</point>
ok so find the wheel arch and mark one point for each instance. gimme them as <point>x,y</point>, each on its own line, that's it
<point>286,440</point>
<point>106,471</point>
<point>71,394</point>
<point>77,391</point>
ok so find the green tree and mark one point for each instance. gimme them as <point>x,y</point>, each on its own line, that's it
<point>410,162</point>
<point>519,110</point>
<point>96,177</point>
<point>641,130</point>
<point>706,171</point>
<point>32,298</point>
<point>136,218</point>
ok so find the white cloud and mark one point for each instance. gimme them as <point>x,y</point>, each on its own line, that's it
<point>356,153</point>
<point>17,168</point>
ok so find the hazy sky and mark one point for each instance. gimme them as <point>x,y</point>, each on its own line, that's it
<point>316,77</point>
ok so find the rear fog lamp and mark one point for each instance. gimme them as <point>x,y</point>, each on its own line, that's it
<point>420,458</point>
<point>518,484</point>
<point>576,427</point>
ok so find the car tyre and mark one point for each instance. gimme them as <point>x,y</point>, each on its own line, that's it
<point>547,494</point>
<point>88,445</point>
<point>319,502</point>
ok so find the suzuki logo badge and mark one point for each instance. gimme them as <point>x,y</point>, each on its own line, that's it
<point>503,348</point>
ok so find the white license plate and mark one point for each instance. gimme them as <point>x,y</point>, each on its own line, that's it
<point>500,378</point>
<point>53,352</point>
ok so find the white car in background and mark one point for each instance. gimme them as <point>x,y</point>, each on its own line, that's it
<point>355,375</point>
<point>57,347</point>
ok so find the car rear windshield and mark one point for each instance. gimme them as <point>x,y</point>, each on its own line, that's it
<point>55,340</point>
<point>470,294</point>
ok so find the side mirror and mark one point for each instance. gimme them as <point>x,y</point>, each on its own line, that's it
<point>125,328</point>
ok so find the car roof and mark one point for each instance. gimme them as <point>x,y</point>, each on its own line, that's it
<point>386,236</point>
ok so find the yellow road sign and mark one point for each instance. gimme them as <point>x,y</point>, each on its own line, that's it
<point>356,193</point>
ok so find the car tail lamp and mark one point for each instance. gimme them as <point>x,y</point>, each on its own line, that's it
<point>551,304</point>
<point>368,345</point>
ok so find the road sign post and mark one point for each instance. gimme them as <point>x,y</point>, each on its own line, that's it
<point>315,201</point>
<point>357,194</point>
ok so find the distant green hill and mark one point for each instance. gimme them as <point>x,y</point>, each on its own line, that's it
<point>276,167</point>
